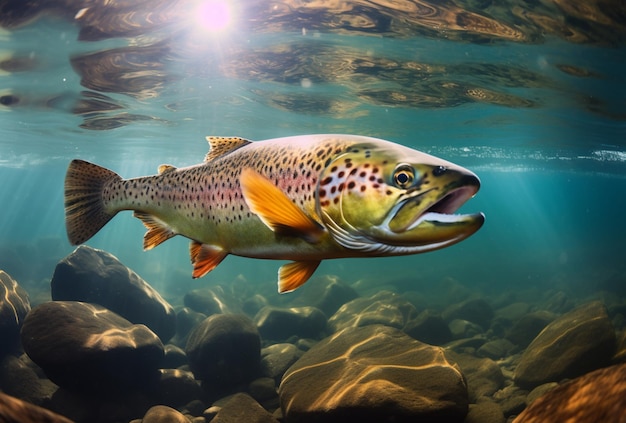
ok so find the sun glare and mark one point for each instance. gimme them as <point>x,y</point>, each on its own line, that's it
<point>214,15</point>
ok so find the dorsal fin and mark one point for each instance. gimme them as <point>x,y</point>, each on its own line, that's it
<point>164,168</point>
<point>223,145</point>
<point>275,209</point>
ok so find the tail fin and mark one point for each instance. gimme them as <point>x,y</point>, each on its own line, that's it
<point>84,209</point>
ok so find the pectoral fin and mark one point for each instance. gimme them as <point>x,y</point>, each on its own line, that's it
<point>158,231</point>
<point>204,258</point>
<point>292,275</point>
<point>275,209</point>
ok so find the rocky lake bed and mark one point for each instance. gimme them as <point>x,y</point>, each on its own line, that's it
<point>102,345</point>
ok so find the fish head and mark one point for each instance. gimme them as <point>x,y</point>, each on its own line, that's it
<point>386,199</point>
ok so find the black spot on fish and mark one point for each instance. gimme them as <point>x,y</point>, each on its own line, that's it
<point>439,170</point>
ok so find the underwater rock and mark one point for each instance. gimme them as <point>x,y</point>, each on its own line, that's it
<point>224,351</point>
<point>599,396</point>
<point>16,410</point>
<point>540,391</point>
<point>557,302</point>
<point>186,320</point>
<point>85,347</point>
<point>485,412</point>
<point>210,301</point>
<point>511,399</point>
<point>528,327</point>
<point>176,388</point>
<point>164,414</point>
<point>18,379</point>
<point>242,408</point>
<point>174,357</point>
<point>264,390</point>
<point>327,293</point>
<point>385,308</point>
<point>496,349</point>
<point>513,312</point>
<point>429,327</point>
<point>14,305</point>
<point>277,358</point>
<point>620,352</point>
<point>460,329</point>
<point>115,405</point>
<point>483,375</point>
<point>280,324</point>
<point>476,311</point>
<point>574,344</point>
<point>194,408</point>
<point>373,373</point>
<point>466,344</point>
<point>95,276</point>
<point>252,305</point>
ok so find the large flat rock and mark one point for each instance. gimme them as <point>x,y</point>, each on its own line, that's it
<point>95,276</point>
<point>599,396</point>
<point>86,348</point>
<point>572,345</point>
<point>373,373</point>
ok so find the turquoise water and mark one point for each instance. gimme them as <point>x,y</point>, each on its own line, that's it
<point>547,141</point>
<point>531,96</point>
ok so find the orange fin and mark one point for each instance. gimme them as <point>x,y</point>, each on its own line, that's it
<point>205,258</point>
<point>158,231</point>
<point>275,209</point>
<point>292,275</point>
<point>223,145</point>
<point>165,168</point>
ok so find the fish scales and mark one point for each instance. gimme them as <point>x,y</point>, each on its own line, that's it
<point>304,198</point>
<point>199,200</point>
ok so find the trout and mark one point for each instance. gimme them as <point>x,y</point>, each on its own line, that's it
<point>303,199</point>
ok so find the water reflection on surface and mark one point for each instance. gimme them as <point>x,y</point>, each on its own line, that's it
<point>160,43</point>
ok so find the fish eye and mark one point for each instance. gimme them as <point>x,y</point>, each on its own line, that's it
<point>403,176</point>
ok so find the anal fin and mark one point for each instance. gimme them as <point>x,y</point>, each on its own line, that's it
<point>292,275</point>
<point>158,231</point>
<point>205,257</point>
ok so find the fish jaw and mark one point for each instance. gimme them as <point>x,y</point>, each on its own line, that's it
<point>426,220</point>
<point>393,200</point>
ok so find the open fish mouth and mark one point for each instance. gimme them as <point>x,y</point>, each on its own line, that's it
<point>428,218</point>
<point>442,210</point>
